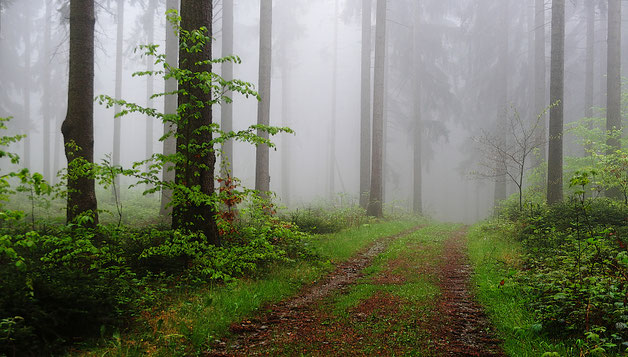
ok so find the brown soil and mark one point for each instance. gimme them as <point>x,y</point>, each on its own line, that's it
<point>461,326</point>
<point>452,324</point>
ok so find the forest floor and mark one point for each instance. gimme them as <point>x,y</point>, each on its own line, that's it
<point>407,294</point>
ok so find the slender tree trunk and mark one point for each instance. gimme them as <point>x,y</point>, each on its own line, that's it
<point>334,109</point>
<point>262,171</point>
<point>117,122</point>
<point>555,151</point>
<point>150,31</point>
<point>226,109</point>
<point>590,59</point>
<point>375,199</point>
<point>26,94</point>
<point>500,192</point>
<point>170,107</point>
<point>365,107</point>
<point>540,101</point>
<point>285,122</point>
<point>197,169</point>
<point>78,127</point>
<point>613,112</point>
<point>602,51</point>
<point>417,202</point>
<point>45,100</point>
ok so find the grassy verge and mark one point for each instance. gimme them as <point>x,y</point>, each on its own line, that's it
<point>496,258</point>
<point>193,319</point>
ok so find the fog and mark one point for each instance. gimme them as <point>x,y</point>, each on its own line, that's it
<point>468,82</point>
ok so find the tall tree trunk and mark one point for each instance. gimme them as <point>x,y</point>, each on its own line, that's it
<point>78,127</point>
<point>540,101</point>
<point>262,170</point>
<point>334,109</point>
<point>226,109</point>
<point>285,122</point>
<point>45,100</point>
<point>26,93</point>
<point>196,170</point>
<point>555,150</point>
<point>590,59</point>
<point>602,51</point>
<point>500,192</point>
<point>117,122</point>
<point>150,32</point>
<point>365,106</point>
<point>170,107</point>
<point>417,201</point>
<point>613,111</point>
<point>375,199</point>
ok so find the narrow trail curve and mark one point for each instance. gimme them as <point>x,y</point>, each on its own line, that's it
<point>462,327</point>
<point>256,331</point>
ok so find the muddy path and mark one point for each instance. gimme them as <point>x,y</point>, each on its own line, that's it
<point>408,294</point>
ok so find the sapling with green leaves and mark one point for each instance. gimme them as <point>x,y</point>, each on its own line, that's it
<point>194,200</point>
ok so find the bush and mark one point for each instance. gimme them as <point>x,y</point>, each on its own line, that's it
<point>322,221</point>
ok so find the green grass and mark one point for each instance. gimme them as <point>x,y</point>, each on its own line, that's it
<point>496,257</point>
<point>194,319</point>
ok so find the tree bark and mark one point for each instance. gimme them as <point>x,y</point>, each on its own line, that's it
<point>226,109</point>
<point>26,94</point>
<point>45,100</point>
<point>150,32</point>
<point>555,150</point>
<point>170,107</point>
<point>613,106</point>
<point>590,59</point>
<point>365,106</point>
<point>540,101</point>
<point>117,122</point>
<point>262,169</point>
<point>78,127</point>
<point>285,122</point>
<point>417,201</point>
<point>334,109</point>
<point>196,170</point>
<point>376,195</point>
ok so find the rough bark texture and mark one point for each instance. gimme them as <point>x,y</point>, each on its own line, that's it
<point>117,122</point>
<point>262,169</point>
<point>170,107</point>
<point>197,169</point>
<point>540,101</point>
<point>365,106</point>
<point>417,200</point>
<point>78,127</point>
<point>555,150</point>
<point>376,194</point>
<point>613,99</point>
<point>226,109</point>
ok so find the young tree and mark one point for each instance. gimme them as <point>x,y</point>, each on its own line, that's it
<point>376,195</point>
<point>262,171</point>
<point>78,127</point>
<point>195,167</point>
<point>365,106</point>
<point>555,149</point>
<point>170,107</point>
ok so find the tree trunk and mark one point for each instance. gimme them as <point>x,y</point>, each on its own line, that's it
<point>365,107</point>
<point>117,122</point>
<point>375,199</point>
<point>555,150</point>
<point>417,202</point>
<point>196,170</point>
<point>226,109</point>
<point>45,100</point>
<point>285,122</point>
<point>602,51</point>
<point>78,127</point>
<point>262,170</point>
<point>613,107</point>
<point>150,32</point>
<point>500,189</point>
<point>334,109</point>
<point>540,101</point>
<point>26,94</point>
<point>590,58</point>
<point>170,107</point>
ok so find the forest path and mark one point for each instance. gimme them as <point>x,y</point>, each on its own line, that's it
<point>408,294</point>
